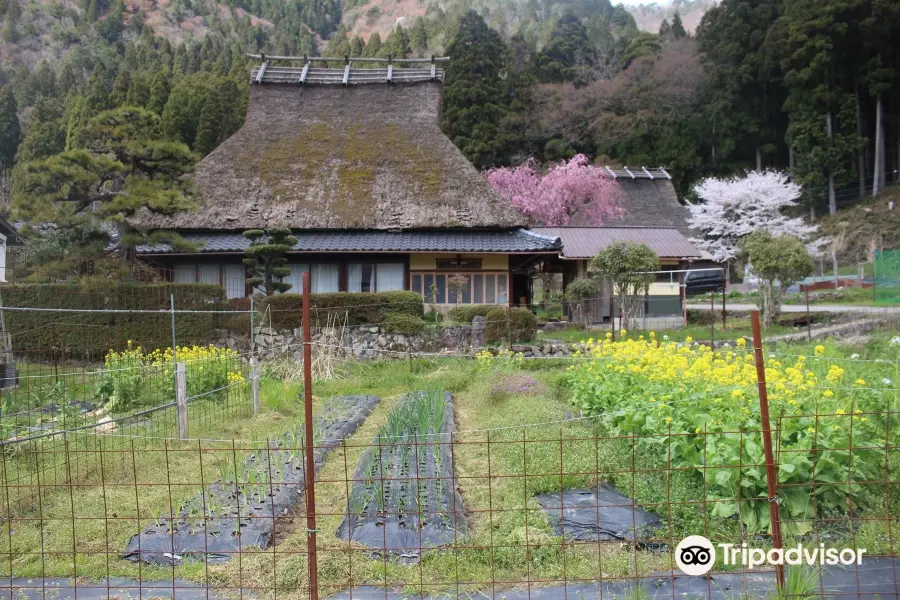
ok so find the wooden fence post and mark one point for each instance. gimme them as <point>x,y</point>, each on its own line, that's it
<point>254,383</point>
<point>181,399</point>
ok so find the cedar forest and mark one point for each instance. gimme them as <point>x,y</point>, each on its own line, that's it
<point>810,86</point>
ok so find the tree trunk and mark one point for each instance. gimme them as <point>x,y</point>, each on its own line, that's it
<point>758,160</point>
<point>792,158</point>
<point>860,155</point>
<point>878,175</point>
<point>832,198</point>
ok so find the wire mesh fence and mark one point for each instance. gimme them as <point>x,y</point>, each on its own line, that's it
<point>445,491</point>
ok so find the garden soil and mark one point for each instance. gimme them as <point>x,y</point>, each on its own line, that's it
<point>244,516</point>
<point>421,505</point>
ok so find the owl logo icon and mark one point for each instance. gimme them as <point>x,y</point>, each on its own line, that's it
<point>695,555</point>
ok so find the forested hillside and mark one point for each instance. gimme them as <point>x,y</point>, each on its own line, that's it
<point>810,86</point>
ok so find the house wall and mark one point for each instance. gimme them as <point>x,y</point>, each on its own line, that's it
<point>428,262</point>
<point>355,272</point>
<point>663,298</point>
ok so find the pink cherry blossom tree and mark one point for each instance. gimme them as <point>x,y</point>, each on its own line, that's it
<point>553,197</point>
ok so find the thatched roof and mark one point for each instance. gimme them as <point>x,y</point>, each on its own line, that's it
<point>368,156</point>
<point>646,202</point>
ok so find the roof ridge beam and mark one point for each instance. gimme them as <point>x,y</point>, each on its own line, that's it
<point>326,59</point>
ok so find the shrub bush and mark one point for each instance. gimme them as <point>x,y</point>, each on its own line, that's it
<point>403,323</point>
<point>286,310</point>
<point>512,325</point>
<point>466,312</point>
<point>90,335</point>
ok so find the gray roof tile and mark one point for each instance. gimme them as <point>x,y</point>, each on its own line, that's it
<point>517,240</point>
<point>586,242</point>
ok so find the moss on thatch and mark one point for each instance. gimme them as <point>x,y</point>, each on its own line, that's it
<point>367,156</point>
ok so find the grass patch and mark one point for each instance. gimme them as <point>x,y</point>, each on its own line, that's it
<point>536,444</point>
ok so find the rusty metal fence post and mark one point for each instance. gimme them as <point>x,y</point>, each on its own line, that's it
<point>308,430</point>
<point>181,407</point>
<point>771,476</point>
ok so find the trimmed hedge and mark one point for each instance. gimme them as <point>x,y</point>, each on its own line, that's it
<point>512,325</point>
<point>90,335</point>
<point>464,313</point>
<point>360,308</point>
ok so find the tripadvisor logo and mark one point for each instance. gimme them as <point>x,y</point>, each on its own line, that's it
<point>696,555</point>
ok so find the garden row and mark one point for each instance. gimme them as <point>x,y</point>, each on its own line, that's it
<point>240,509</point>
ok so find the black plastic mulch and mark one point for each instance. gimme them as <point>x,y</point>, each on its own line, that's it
<point>405,497</point>
<point>243,516</point>
<point>602,513</point>
<point>875,579</point>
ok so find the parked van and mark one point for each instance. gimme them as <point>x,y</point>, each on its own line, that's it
<point>700,282</point>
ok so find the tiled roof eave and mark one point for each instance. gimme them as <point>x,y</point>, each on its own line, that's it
<point>506,242</point>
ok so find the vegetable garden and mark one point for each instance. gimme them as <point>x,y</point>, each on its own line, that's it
<point>477,476</point>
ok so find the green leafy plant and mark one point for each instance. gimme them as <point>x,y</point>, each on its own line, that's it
<point>779,262</point>
<point>700,408</point>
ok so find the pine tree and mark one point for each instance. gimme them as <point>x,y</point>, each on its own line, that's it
<point>209,125</point>
<point>266,258</point>
<point>474,102</point>
<point>357,46</point>
<point>418,38</point>
<point>819,78</point>
<point>139,92</point>
<point>179,118</point>
<point>159,93</point>
<point>127,168</point>
<point>373,46</point>
<point>10,30</point>
<point>45,136</point>
<point>10,130</point>
<point>678,31</point>
<point>121,87</point>
<point>67,78</point>
<point>397,44</point>
<point>665,30</point>
<point>568,54</point>
<point>743,96</point>
<point>112,26</point>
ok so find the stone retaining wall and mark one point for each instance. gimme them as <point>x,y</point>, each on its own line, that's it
<point>363,341</point>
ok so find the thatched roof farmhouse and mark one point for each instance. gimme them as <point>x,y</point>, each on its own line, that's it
<point>354,161</point>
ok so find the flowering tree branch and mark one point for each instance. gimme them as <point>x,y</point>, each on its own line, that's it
<point>566,189</point>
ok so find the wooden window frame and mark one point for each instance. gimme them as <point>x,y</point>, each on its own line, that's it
<point>483,274</point>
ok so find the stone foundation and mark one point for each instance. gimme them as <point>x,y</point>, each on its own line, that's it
<point>365,341</point>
